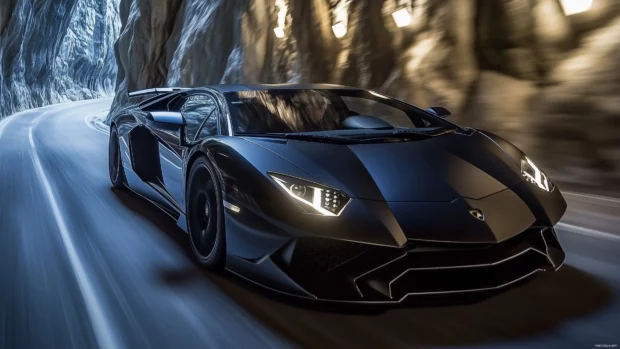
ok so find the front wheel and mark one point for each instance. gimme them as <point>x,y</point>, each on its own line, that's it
<point>205,215</point>
<point>115,162</point>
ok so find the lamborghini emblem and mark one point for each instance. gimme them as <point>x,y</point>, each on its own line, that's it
<point>477,214</point>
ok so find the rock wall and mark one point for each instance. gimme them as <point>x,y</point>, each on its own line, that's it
<point>53,51</point>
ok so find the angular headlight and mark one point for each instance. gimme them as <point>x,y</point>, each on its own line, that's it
<point>535,175</point>
<point>317,199</point>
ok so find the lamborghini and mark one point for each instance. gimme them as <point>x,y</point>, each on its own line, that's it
<point>337,193</point>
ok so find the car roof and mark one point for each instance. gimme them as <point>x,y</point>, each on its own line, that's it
<point>255,87</point>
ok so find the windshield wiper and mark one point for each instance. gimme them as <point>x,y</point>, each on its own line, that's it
<point>432,133</point>
<point>392,137</point>
<point>403,134</point>
<point>298,136</point>
<point>249,134</point>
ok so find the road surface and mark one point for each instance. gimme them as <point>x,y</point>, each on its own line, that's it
<point>83,266</point>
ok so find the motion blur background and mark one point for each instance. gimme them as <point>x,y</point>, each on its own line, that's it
<point>84,266</point>
<point>542,73</point>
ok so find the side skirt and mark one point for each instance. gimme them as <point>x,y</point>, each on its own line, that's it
<point>182,223</point>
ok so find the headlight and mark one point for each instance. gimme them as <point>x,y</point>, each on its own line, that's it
<point>535,175</point>
<point>317,199</point>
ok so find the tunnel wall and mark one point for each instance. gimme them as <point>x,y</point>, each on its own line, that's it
<point>53,51</point>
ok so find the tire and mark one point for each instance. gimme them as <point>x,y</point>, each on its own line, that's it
<point>205,216</point>
<point>115,161</point>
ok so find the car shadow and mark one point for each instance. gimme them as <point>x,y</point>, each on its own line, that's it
<point>528,309</point>
<point>146,209</point>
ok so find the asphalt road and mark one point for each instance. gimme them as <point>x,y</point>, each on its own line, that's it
<point>83,266</point>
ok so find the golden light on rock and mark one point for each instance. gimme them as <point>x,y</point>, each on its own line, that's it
<point>402,17</point>
<point>279,32</point>
<point>571,7</point>
<point>282,11</point>
<point>340,29</point>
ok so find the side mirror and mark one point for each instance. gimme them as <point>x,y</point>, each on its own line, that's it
<point>166,117</point>
<point>439,111</point>
<point>170,120</point>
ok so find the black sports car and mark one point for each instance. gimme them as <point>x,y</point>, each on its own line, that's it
<point>337,193</point>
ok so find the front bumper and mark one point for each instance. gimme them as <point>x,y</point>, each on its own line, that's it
<point>341,271</point>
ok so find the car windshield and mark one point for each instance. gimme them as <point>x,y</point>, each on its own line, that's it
<point>292,111</point>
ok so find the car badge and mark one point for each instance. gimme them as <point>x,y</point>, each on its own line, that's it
<point>477,214</point>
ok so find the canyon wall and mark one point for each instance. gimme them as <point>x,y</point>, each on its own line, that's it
<point>54,51</point>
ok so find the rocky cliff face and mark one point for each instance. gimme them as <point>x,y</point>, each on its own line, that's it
<point>523,69</point>
<point>53,51</point>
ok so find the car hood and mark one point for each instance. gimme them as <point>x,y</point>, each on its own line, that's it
<point>439,169</point>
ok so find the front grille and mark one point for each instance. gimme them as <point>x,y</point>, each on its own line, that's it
<point>333,269</point>
<point>322,255</point>
<point>453,280</point>
<point>429,268</point>
<point>326,268</point>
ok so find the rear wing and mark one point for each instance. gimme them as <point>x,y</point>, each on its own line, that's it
<point>156,91</point>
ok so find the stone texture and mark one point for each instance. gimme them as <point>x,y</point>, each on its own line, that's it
<point>53,51</point>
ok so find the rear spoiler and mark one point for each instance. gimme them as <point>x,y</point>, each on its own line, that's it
<point>156,91</point>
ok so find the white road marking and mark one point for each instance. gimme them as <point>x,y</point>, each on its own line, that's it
<point>593,197</point>
<point>587,231</point>
<point>89,121</point>
<point>101,325</point>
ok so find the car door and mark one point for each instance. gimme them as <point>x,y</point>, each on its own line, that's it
<point>145,143</point>
<point>200,112</point>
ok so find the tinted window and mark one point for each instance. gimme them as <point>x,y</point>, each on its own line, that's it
<point>303,110</point>
<point>209,126</point>
<point>196,110</point>
<point>287,111</point>
<point>223,124</point>
<point>160,104</point>
<point>144,99</point>
<point>394,116</point>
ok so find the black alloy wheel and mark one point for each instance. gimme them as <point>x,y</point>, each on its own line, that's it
<point>205,215</point>
<point>115,162</point>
